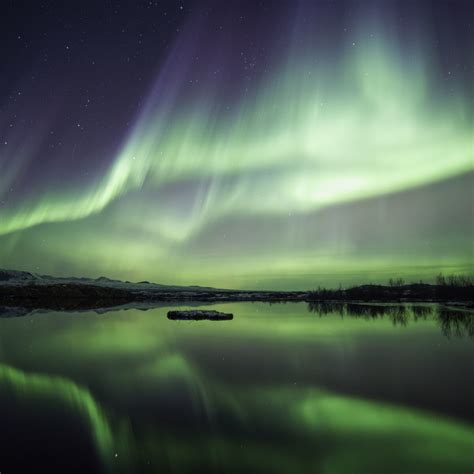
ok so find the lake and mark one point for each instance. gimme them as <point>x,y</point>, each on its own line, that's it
<point>282,388</point>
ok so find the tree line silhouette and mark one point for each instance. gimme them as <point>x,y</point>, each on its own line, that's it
<point>445,288</point>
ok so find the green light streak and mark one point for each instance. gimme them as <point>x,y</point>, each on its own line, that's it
<point>28,387</point>
<point>305,140</point>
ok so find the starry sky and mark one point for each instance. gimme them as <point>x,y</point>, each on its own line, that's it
<point>246,144</point>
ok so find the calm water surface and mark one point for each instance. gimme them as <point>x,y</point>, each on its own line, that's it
<point>285,388</point>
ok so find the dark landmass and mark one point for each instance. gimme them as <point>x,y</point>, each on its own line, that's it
<point>199,315</point>
<point>404,292</point>
<point>23,292</point>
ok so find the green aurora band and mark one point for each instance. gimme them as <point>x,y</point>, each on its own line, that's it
<point>311,136</point>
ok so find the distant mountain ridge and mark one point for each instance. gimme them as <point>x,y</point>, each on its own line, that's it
<point>13,277</point>
<point>16,275</point>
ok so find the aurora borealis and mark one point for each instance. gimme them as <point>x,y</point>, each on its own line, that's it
<point>245,144</point>
<point>261,144</point>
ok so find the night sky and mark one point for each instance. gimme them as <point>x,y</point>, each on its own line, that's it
<point>251,144</point>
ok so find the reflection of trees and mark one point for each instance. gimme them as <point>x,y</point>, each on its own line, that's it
<point>396,313</point>
<point>421,312</point>
<point>457,323</point>
<point>366,311</point>
<point>322,308</point>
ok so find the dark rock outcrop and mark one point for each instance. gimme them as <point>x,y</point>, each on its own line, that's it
<point>199,315</point>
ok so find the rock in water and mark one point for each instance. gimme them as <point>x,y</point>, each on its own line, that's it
<point>198,315</point>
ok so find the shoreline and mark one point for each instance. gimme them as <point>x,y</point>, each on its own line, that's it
<point>26,290</point>
<point>71,297</point>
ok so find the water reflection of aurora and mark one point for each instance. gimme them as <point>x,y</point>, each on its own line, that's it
<point>154,401</point>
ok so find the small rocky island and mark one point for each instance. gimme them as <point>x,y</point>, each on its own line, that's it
<point>199,315</point>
